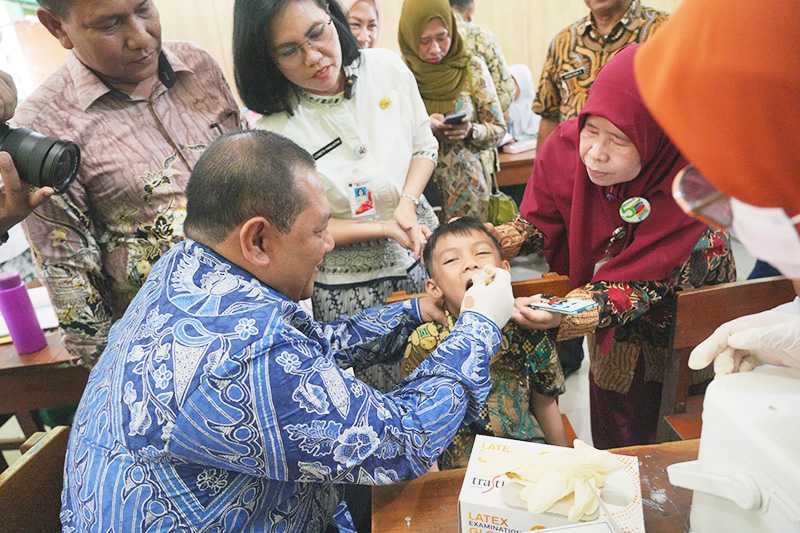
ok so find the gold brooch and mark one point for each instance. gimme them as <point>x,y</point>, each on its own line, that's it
<point>385,103</point>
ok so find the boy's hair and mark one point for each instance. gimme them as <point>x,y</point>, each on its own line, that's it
<point>460,226</point>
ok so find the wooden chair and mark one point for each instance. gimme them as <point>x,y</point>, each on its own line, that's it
<point>30,490</point>
<point>697,314</point>
<point>550,283</point>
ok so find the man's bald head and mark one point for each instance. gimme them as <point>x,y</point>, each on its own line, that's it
<point>243,175</point>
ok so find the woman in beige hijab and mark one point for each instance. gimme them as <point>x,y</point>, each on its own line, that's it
<point>363,16</point>
<point>452,81</point>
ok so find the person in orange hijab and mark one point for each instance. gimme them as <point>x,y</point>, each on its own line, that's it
<point>722,78</point>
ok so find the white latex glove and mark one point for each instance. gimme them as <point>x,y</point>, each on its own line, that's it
<point>771,337</point>
<point>490,295</point>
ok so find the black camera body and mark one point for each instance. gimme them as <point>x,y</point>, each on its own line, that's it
<point>41,161</point>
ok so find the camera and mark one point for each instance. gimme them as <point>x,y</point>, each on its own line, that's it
<point>41,161</point>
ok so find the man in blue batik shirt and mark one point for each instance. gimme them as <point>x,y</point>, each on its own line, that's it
<point>219,404</point>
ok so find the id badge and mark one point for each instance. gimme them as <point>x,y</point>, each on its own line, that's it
<point>362,200</point>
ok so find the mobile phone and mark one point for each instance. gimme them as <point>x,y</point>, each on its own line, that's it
<point>455,118</point>
<point>563,306</point>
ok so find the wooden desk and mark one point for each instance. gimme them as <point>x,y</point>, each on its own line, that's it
<point>47,378</point>
<point>432,500</point>
<point>515,169</point>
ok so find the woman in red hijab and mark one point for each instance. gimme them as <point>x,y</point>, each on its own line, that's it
<point>599,206</point>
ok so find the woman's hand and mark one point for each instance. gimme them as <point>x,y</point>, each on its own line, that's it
<point>405,214</point>
<point>406,217</point>
<point>493,231</point>
<point>456,132</point>
<point>451,132</point>
<point>437,121</point>
<point>392,230</point>
<point>534,318</point>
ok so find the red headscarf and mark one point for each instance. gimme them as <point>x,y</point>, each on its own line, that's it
<point>578,217</point>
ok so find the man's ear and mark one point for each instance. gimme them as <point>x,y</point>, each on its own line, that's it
<point>55,26</point>
<point>254,241</point>
<point>433,290</point>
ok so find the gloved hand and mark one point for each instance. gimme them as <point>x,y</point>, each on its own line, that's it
<point>771,337</point>
<point>490,295</point>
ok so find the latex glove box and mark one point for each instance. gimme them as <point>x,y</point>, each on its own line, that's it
<point>747,475</point>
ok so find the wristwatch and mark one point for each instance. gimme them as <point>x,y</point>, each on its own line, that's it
<point>414,200</point>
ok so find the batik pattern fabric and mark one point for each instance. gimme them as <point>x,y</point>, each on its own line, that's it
<point>526,361</point>
<point>640,312</point>
<point>219,405</point>
<point>466,168</point>
<point>484,44</point>
<point>95,244</point>
<point>335,301</point>
<point>579,51</point>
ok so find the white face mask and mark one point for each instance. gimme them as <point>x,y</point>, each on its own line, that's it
<point>769,234</point>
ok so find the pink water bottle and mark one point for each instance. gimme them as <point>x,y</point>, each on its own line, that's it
<point>17,310</point>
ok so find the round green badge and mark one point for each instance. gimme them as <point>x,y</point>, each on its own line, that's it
<point>635,209</point>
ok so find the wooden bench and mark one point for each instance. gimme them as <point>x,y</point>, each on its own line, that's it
<point>30,490</point>
<point>698,313</point>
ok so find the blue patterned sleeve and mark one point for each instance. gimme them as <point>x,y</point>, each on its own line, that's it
<point>375,335</point>
<point>287,412</point>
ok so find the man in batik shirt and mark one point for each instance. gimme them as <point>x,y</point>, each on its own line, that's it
<point>484,44</point>
<point>142,114</point>
<point>219,403</point>
<point>579,51</point>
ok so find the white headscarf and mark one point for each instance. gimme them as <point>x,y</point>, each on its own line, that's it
<point>523,122</point>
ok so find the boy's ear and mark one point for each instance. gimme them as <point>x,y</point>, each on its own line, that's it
<point>505,265</point>
<point>433,290</point>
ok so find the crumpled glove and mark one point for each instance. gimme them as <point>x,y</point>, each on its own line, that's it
<point>490,295</point>
<point>771,337</point>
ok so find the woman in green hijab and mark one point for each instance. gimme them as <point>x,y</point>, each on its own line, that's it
<point>453,81</point>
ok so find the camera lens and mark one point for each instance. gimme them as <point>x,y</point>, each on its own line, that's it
<point>41,161</point>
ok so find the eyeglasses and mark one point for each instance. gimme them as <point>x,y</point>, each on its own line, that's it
<point>700,199</point>
<point>319,34</point>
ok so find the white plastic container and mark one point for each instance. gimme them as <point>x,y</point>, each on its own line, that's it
<point>747,474</point>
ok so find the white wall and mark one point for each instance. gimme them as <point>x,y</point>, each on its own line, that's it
<point>524,27</point>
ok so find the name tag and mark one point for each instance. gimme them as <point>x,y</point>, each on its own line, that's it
<point>362,201</point>
<point>574,73</point>
<point>337,142</point>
